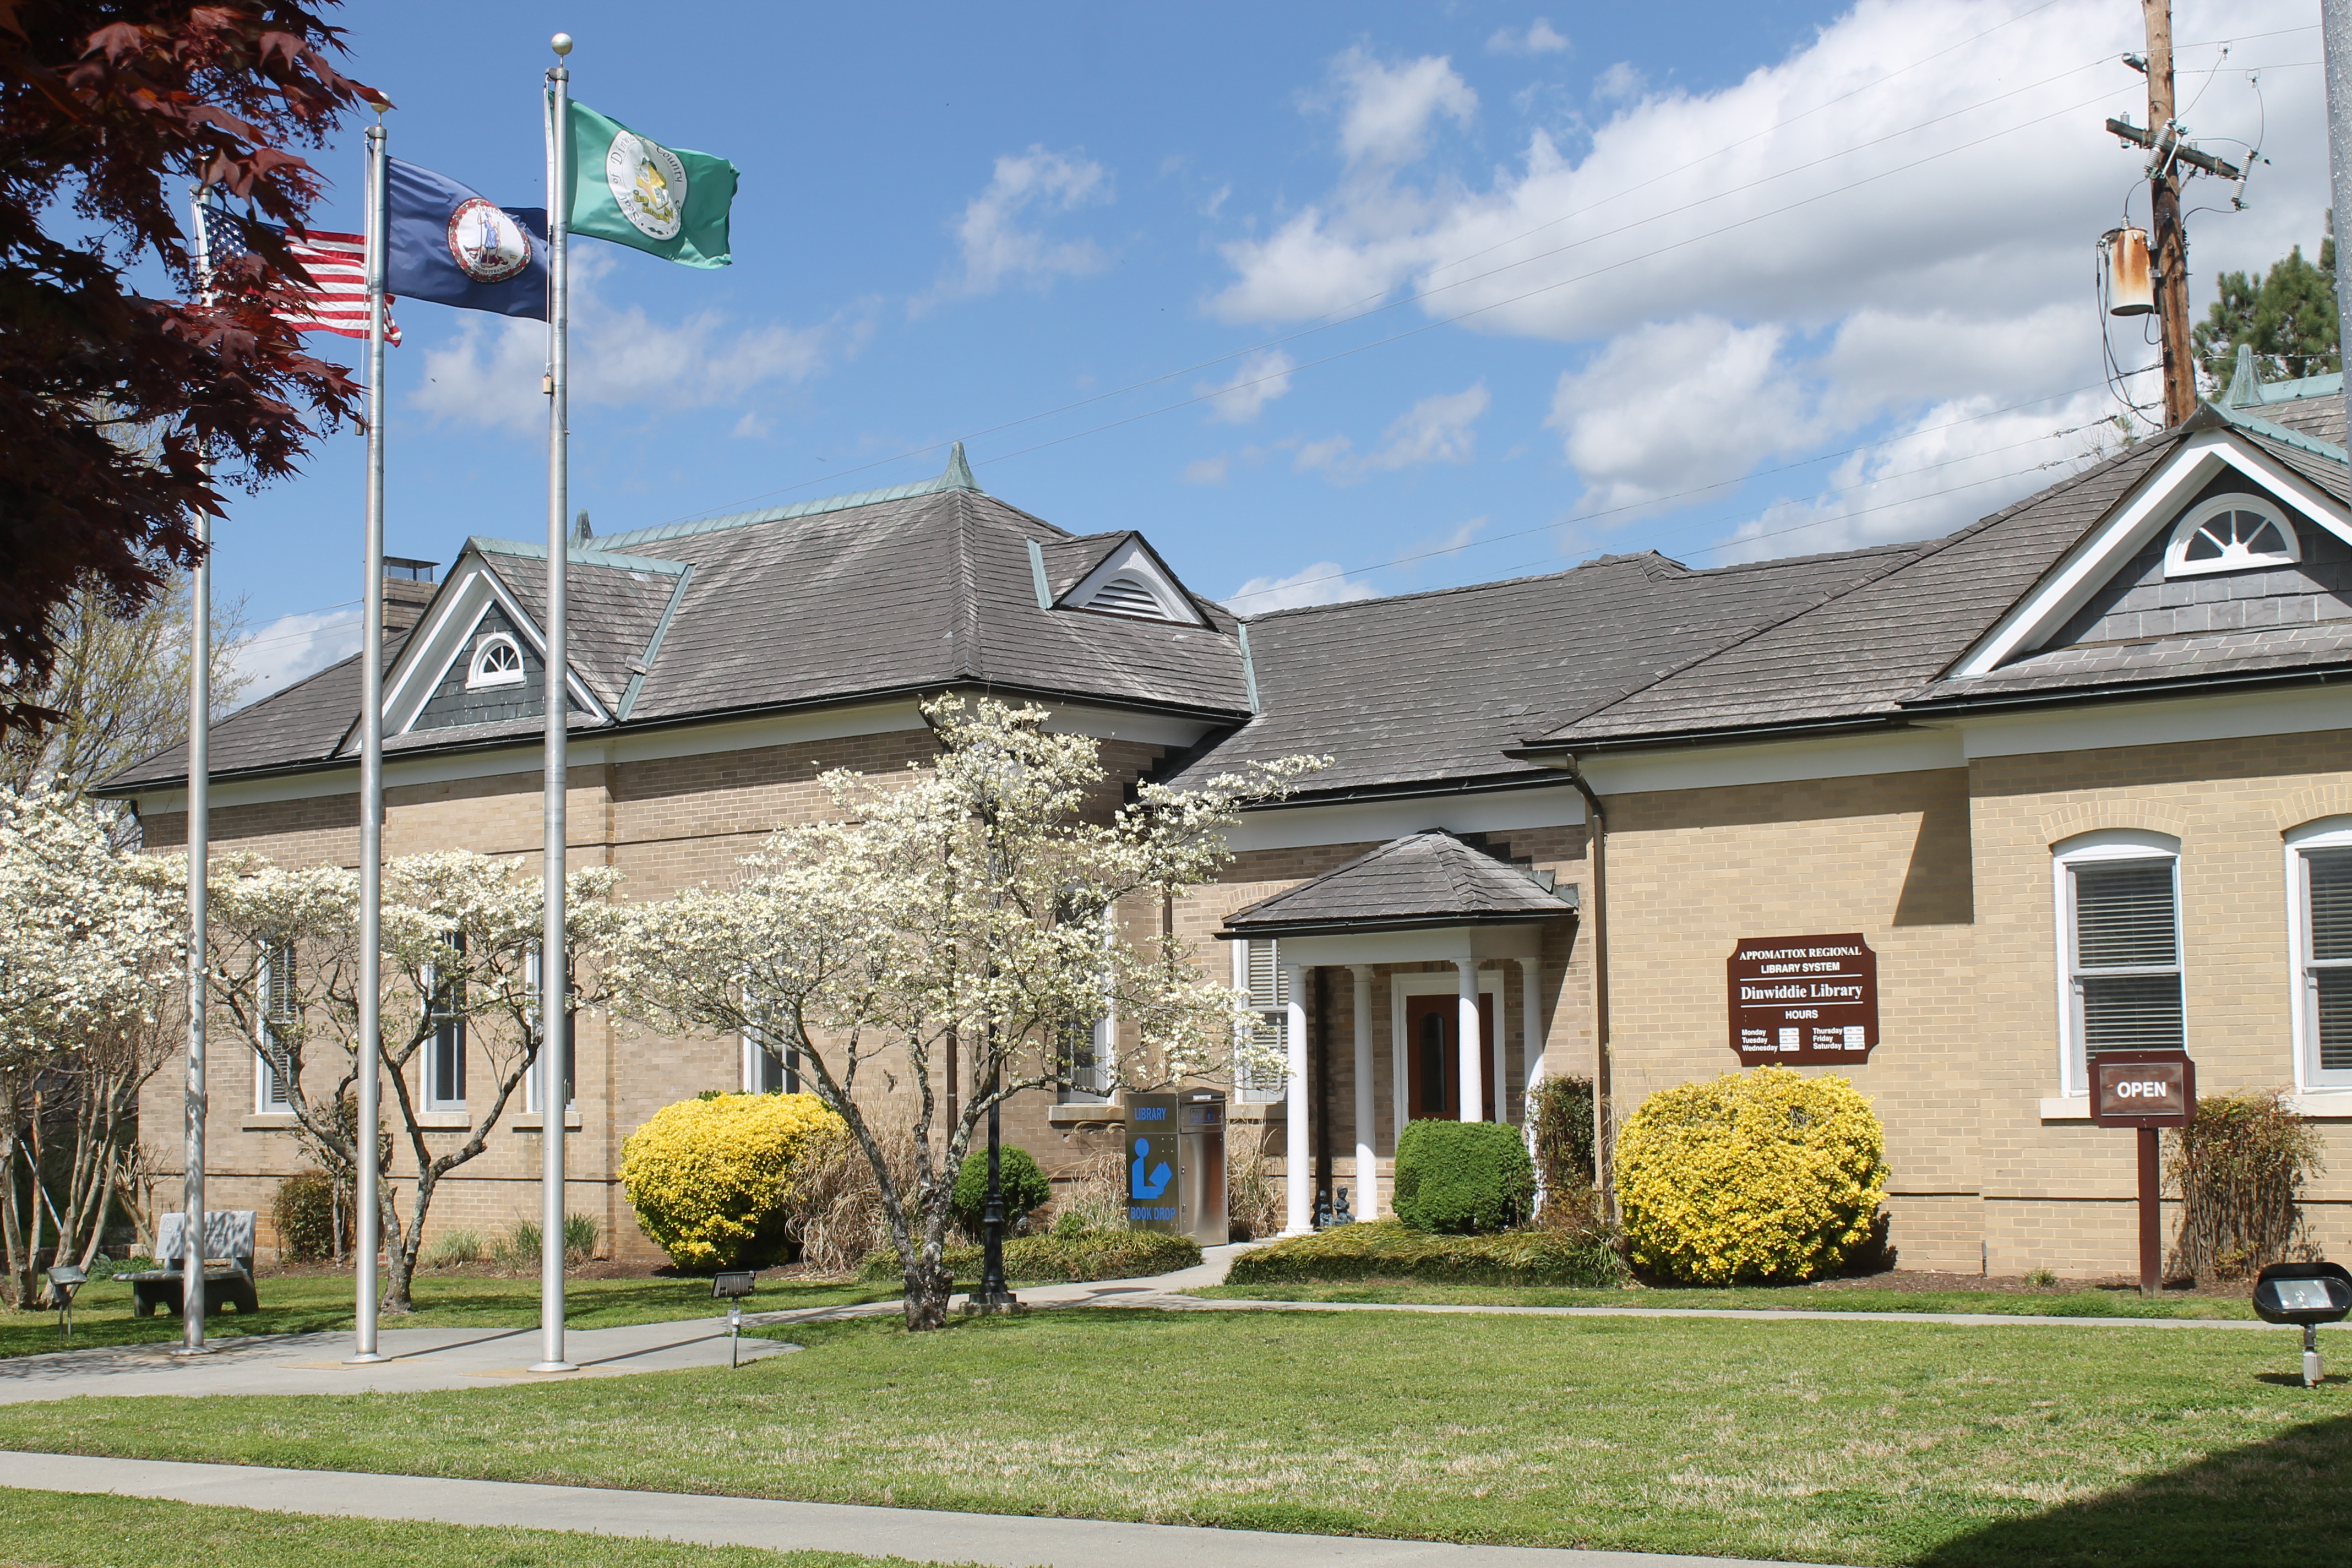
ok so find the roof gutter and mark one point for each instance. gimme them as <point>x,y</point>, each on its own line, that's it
<point>1563,753</point>
<point>1342,926</point>
<point>2076,695</point>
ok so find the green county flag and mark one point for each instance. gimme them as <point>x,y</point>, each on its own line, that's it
<point>634,192</point>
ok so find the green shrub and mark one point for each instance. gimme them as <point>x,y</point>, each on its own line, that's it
<point>1024,1185</point>
<point>1056,1260</point>
<point>580,1236</point>
<point>518,1248</point>
<point>304,1208</point>
<point>455,1246</point>
<point>1559,1111</point>
<point>1388,1249</point>
<point>1765,1176</point>
<point>1462,1177</point>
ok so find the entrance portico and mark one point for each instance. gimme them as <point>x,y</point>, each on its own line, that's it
<point>1427,899</point>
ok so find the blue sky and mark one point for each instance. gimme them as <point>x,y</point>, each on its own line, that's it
<point>1328,300</point>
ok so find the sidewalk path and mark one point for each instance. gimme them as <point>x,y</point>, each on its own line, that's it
<point>925,1535</point>
<point>424,1359</point>
<point>416,1360</point>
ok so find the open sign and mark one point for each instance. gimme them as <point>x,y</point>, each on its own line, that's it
<point>2143,1088</point>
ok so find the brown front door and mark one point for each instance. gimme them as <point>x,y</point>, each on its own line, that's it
<point>1432,1056</point>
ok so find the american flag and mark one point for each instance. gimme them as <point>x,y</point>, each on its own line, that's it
<point>337,264</point>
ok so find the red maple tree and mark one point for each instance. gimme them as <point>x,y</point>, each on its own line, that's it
<point>109,113</point>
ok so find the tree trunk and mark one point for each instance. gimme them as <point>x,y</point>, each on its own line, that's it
<point>400,1252</point>
<point>14,1243</point>
<point>928,1285</point>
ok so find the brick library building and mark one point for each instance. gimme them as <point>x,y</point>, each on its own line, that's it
<point>1949,818</point>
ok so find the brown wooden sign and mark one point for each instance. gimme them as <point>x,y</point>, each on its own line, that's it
<point>1798,999</point>
<point>2143,1088</point>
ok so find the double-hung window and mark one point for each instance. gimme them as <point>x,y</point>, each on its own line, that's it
<point>1257,970</point>
<point>2319,880</point>
<point>281,1015</point>
<point>444,1063</point>
<point>2119,936</point>
<point>769,1071</point>
<point>557,1029</point>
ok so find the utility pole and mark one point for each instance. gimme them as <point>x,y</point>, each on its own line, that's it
<point>2168,241</point>
<point>2167,244</point>
<point>2335,31</point>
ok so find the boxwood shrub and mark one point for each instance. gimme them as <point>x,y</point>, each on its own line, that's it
<point>1057,1259</point>
<point>1462,1177</point>
<point>1025,1187</point>
<point>1386,1249</point>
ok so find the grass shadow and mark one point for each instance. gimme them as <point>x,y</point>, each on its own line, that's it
<point>2279,1500</point>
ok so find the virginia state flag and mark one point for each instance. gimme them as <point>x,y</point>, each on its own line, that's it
<point>636,192</point>
<point>455,247</point>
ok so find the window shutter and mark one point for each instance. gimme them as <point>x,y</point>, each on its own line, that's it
<point>2330,871</point>
<point>1267,988</point>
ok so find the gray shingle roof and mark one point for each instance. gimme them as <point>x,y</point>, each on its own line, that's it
<point>1424,878</point>
<point>2166,659</point>
<point>1856,656</point>
<point>1428,689</point>
<point>918,588</point>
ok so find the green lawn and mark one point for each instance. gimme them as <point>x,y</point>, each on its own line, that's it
<point>2069,1303</point>
<point>303,1303</point>
<point>1840,1442</point>
<point>62,1530</point>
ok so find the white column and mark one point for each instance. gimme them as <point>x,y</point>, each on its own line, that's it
<point>1474,1089</point>
<point>1532,1035</point>
<point>1368,1175</point>
<point>1495,1054</point>
<point>1299,1176</point>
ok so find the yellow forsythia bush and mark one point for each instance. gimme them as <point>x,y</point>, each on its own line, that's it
<point>708,1177</point>
<point>1767,1175</point>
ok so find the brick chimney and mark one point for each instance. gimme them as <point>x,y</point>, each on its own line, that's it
<point>408,587</point>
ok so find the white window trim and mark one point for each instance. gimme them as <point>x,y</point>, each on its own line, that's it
<point>1106,1036</point>
<point>2109,844</point>
<point>1247,1090</point>
<point>478,677</point>
<point>264,1073</point>
<point>755,1058</point>
<point>433,1100</point>
<point>1433,982</point>
<point>2176,550</point>
<point>2327,833</point>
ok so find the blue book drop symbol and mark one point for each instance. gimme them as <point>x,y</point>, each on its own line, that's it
<point>1137,1186</point>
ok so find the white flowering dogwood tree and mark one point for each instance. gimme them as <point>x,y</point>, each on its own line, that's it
<point>966,905</point>
<point>89,944</point>
<point>460,976</point>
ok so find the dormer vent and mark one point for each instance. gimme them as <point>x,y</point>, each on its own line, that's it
<point>1124,595</point>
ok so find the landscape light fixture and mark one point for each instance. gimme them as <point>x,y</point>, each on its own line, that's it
<point>64,1280</point>
<point>732,1286</point>
<point>2305,1293</point>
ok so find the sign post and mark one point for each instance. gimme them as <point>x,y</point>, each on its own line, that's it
<point>1801,999</point>
<point>2148,1090</point>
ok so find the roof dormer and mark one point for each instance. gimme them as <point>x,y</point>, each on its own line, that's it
<point>1131,581</point>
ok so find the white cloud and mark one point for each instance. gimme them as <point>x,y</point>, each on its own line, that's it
<point>1673,404</point>
<point>1539,38</point>
<point>1207,471</point>
<point>1001,238</point>
<point>1439,429</point>
<point>292,646</point>
<point>1324,583</point>
<point>1873,234</point>
<point>1257,381</point>
<point>489,374</point>
<point>1387,109</point>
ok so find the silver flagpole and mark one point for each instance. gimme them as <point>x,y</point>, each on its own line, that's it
<point>371,998</point>
<point>200,713</point>
<point>554,992</point>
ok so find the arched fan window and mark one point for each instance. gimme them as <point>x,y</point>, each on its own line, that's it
<point>2231,533</point>
<point>496,662</point>
<point>1126,596</point>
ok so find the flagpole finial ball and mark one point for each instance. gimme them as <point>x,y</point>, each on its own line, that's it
<point>562,43</point>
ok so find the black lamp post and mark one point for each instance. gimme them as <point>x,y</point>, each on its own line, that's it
<point>992,1296</point>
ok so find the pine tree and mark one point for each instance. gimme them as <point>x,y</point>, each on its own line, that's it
<point>2287,316</point>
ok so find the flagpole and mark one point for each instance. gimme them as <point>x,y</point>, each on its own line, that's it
<point>554,992</point>
<point>199,837</point>
<point>371,998</point>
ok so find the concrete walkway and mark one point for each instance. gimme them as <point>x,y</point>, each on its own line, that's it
<point>925,1535</point>
<point>416,1360</point>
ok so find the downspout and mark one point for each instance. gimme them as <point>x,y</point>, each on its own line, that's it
<point>1601,1118</point>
